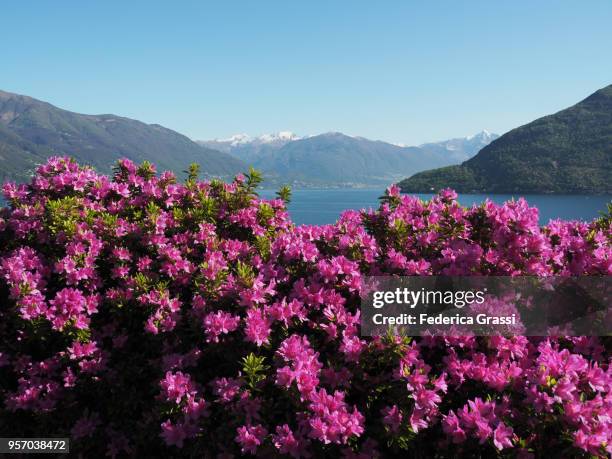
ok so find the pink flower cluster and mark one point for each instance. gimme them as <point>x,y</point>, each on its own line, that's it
<point>146,317</point>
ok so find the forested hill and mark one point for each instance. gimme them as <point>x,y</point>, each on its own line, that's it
<point>32,130</point>
<point>567,152</point>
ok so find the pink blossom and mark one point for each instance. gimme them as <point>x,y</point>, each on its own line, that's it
<point>250,437</point>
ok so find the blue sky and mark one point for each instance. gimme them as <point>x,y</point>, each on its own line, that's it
<point>405,71</point>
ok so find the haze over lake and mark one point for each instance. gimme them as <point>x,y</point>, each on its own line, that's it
<point>316,207</point>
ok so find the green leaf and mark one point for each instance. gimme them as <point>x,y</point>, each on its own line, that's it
<point>253,180</point>
<point>254,370</point>
<point>192,173</point>
<point>284,193</point>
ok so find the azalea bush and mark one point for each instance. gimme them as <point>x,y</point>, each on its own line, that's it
<point>140,316</point>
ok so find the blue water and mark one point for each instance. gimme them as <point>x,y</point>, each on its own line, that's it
<point>316,207</point>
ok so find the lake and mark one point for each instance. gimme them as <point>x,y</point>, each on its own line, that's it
<point>316,207</point>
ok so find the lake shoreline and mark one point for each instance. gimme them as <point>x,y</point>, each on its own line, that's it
<point>324,206</point>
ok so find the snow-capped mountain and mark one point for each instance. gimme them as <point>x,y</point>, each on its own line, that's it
<point>246,147</point>
<point>253,149</point>
<point>483,135</point>
<point>283,136</point>
<point>337,158</point>
<point>463,148</point>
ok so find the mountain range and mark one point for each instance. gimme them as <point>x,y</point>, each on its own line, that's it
<point>569,152</point>
<point>32,130</point>
<point>343,160</point>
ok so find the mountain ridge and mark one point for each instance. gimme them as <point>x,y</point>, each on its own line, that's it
<point>31,130</point>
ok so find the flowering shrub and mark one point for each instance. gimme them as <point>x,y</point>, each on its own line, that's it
<point>144,317</point>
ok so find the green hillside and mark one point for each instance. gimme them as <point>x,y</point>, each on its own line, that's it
<point>31,131</point>
<point>568,152</point>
